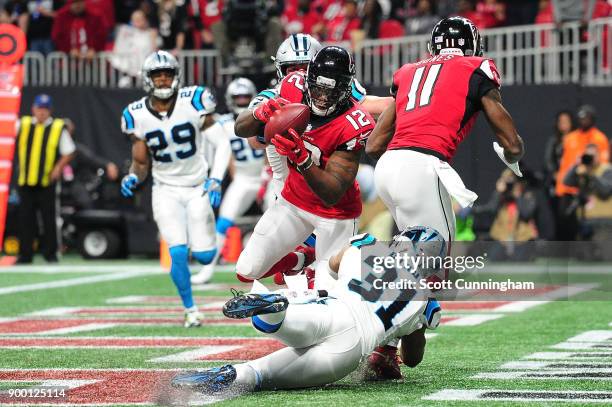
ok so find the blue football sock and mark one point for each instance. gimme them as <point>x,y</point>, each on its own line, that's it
<point>179,271</point>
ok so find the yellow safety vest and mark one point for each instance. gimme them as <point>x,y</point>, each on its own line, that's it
<point>38,148</point>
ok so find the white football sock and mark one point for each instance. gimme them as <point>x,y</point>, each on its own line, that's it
<point>247,376</point>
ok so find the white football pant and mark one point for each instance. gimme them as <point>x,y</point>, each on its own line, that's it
<point>324,345</point>
<point>409,186</point>
<point>284,226</point>
<point>184,216</point>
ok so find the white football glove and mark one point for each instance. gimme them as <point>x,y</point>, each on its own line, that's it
<point>500,152</point>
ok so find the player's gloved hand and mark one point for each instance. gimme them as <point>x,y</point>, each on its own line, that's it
<point>212,187</point>
<point>264,110</point>
<point>128,184</point>
<point>293,147</point>
<point>500,153</point>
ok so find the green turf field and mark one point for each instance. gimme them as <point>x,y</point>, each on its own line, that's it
<point>112,332</point>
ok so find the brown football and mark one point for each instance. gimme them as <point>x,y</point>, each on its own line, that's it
<point>293,115</point>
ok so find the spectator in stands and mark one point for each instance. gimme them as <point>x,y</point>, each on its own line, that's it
<point>342,26</point>
<point>15,12</point>
<point>423,19</point>
<point>39,170</point>
<point>574,146</point>
<point>205,13</point>
<point>38,24</point>
<point>593,180</point>
<point>467,9</point>
<point>515,208</point>
<point>554,146</point>
<point>384,18</point>
<point>248,21</point>
<point>304,16</point>
<point>78,31</point>
<point>171,24</point>
<point>573,10</point>
<point>106,10</point>
<point>492,13</point>
<point>132,45</point>
<point>545,13</point>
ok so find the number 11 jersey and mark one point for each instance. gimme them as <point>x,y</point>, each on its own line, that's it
<point>437,101</point>
<point>174,138</point>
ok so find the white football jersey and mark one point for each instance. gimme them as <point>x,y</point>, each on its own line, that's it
<point>174,137</point>
<point>248,162</point>
<point>379,321</point>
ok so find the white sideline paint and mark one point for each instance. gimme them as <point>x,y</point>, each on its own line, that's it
<point>545,375</point>
<point>477,395</point>
<point>77,281</point>
<point>94,326</point>
<point>129,299</point>
<point>70,384</point>
<point>533,365</point>
<point>592,336</point>
<point>568,355</point>
<point>79,268</point>
<point>518,306</point>
<point>196,354</point>
<point>52,312</point>
<point>583,346</point>
<point>471,320</point>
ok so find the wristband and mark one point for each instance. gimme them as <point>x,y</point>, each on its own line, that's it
<point>305,165</point>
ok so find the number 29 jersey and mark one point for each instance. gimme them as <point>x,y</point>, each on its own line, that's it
<point>174,139</point>
<point>437,101</point>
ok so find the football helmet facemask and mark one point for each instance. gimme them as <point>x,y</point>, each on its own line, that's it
<point>239,87</point>
<point>297,49</point>
<point>161,61</point>
<point>329,80</point>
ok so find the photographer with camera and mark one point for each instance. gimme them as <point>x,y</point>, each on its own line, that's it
<point>592,205</point>
<point>574,146</point>
<point>514,207</point>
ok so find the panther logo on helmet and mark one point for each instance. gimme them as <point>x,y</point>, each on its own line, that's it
<point>161,61</point>
<point>297,49</point>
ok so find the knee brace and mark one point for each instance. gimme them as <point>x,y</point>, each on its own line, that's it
<point>223,224</point>
<point>205,257</point>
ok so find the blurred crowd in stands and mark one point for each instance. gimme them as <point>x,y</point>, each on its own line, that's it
<point>84,27</point>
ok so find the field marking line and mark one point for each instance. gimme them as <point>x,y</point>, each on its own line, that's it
<point>536,365</point>
<point>568,355</point>
<point>592,336</point>
<point>197,354</point>
<point>529,396</point>
<point>79,268</point>
<point>77,281</point>
<point>564,374</point>
<point>473,319</point>
<point>583,346</point>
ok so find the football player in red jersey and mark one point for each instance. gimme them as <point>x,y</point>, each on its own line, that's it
<point>320,193</point>
<point>436,103</point>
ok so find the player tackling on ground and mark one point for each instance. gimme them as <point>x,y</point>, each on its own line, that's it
<point>327,337</point>
<point>436,104</point>
<point>167,126</point>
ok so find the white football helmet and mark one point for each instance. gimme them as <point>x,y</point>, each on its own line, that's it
<point>239,87</point>
<point>157,61</point>
<point>297,49</point>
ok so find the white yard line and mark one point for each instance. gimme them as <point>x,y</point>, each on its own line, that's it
<point>197,354</point>
<point>471,320</point>
<point>537,365</point>
<point>124,275</point>
<point>528,396</point>
<point>79,268</point>
<point>564,374</point>
<point>569,355</point>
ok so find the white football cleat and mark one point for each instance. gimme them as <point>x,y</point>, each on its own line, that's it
<point>193,319</point>
<point>204,275</point>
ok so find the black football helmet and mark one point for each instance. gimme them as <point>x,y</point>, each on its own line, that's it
<point>329,79</point>
<point>456,32</point>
